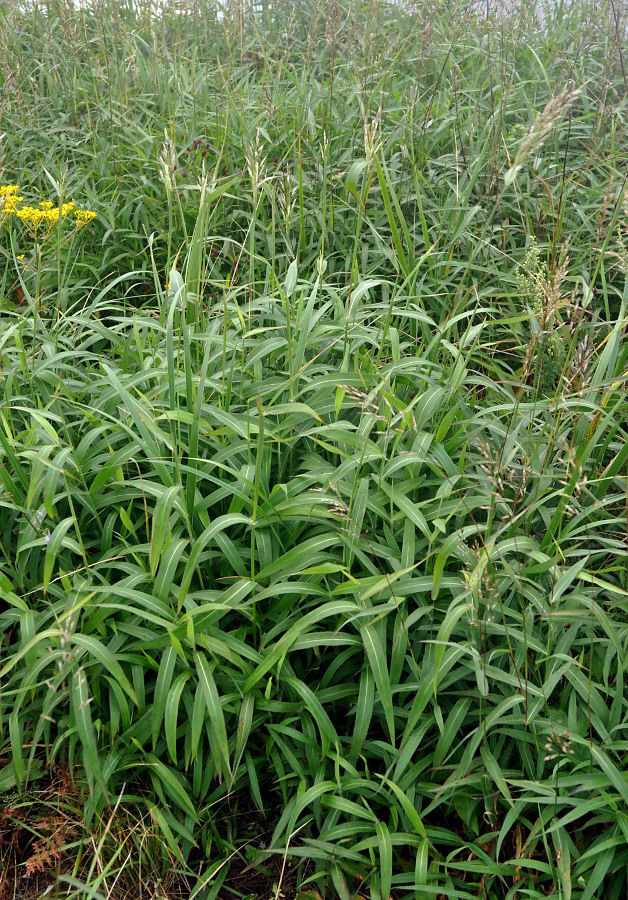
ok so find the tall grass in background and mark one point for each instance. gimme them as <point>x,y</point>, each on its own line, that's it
<point>313,505</point>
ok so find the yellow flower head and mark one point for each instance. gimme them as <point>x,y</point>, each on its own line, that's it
<point>36,220</point>
<point>8,201</point>
<point>83,217</point>
<point>40,220</point>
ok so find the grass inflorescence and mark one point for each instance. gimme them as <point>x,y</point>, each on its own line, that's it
<point>313,451</point>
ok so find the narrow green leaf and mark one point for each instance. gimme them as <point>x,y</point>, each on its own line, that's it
<point>172,713</point>
<point>98,650</point>
<point>291,278</point>
<point>385,858</point>
<point>83,718</point>
<point>377,662</point>
<point>159,528</point>
<point>52,549</point>
<point>162,691</point>
<point>243,730</point>
<point>173,786</point>
<point>214,708</point>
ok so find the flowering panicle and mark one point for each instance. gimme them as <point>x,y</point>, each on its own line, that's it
<point>540,287</point>
<point>168,162</point>
<point>540,130</point>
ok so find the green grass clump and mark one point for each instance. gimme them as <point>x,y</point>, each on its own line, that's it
<point>313,451</point>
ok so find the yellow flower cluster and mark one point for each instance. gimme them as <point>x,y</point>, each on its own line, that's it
<point>39,220</point>
<point>8,192</point>
<point>84,216</point>
<point>8,201</point>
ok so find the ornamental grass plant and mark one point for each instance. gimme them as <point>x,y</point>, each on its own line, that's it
<point>313,456</point>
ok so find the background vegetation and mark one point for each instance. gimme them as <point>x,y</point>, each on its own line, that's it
<point>313,514</point>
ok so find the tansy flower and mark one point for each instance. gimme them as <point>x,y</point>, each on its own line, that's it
<point>83,217</point>
<point>40,221</point>
<point>36,220</point>
<point>8,201</point>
